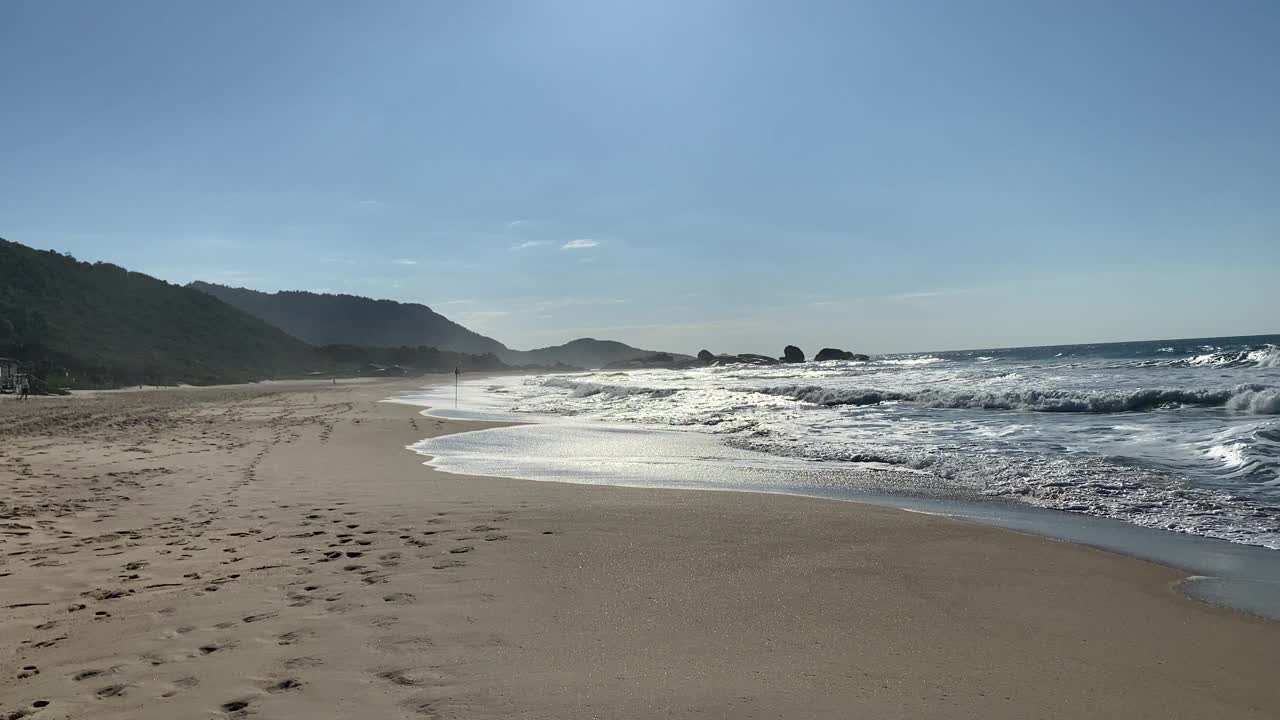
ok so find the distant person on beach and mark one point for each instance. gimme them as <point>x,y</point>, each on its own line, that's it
<point>24,387</point>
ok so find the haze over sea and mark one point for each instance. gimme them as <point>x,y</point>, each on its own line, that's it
<point>1182,435</point>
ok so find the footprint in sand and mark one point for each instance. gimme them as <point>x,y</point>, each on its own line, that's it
<point>212,648</point>
<point>406,677</point>
<point>49,643</point>
<point>290,683</point>
<point>185,683</point>
<point>291,637</point>
<point>462,549</point>
<point>111,691</point>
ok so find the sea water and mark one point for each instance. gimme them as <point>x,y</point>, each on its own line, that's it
<point>1078,441</point>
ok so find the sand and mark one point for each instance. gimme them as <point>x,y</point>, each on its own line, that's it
<point>274,552</point>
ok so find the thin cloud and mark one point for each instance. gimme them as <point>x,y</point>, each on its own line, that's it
<point>529,244</point>
<point>405,262</point>
<point>516,223</point>
<point>580,244</point>
<point>921,294</point>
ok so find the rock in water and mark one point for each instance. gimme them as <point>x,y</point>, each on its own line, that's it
<point>754,359</point>
<point>792,354</point>
<point>832,354</point>
<point>705,356</point>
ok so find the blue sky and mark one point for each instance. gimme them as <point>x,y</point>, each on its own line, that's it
<point>879,176</point>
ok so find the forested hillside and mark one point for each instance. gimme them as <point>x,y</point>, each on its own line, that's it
<point>322,319</point>
<point>81,324</point>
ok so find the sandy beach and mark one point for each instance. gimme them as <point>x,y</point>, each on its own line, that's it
<point>276,552</point>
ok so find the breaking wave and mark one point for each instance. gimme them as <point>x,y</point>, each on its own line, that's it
<point>1264,357</point>
<point>588,389</point>
<point>1245,399</point>
<point>1182,435</point>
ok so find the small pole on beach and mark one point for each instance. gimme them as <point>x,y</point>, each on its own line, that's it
<point>456,373</point>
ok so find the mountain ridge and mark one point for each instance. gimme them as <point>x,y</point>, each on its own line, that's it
<point>340,319</point>
<point>323,318</point>
<point>82,324</point>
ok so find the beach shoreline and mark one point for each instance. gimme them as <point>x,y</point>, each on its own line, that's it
<point>545,448</point>
<point>201,525</point>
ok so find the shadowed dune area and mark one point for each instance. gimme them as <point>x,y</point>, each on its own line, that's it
<point>274,551</point>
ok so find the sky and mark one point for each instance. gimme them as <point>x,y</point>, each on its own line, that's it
<point>735,175</point>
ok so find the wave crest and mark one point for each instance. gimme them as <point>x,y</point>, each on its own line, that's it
<point>1247,399</point>
<point>587,389</point>
<point>1263,357</point>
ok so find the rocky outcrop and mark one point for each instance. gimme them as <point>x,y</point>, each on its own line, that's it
<point>832,354</point>
<point>753,359</point>
<point>792,354</point>
<point>837,354</point>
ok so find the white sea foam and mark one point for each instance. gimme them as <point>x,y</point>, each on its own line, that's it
<point>1264,357</point>
<point>1256,401</point>
<point>1188,443</point>
<point>1251,399</point>
<point>921,360</point>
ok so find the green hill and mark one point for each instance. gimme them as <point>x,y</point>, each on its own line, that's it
<point>352,320</point>
<point>323,319</point>
<point>586,352</point>
<point>98,325</point>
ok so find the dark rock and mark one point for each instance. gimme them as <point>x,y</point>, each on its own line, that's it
<point>859,357</point>
<point>754,359</point>
<point>792,354</point>
<point>832,354</point>
<point>705,356</point>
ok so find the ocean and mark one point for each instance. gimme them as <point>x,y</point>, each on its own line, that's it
<point>1179,435</point>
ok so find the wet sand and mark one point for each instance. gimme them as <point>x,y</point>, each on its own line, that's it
<point>274,552</point>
